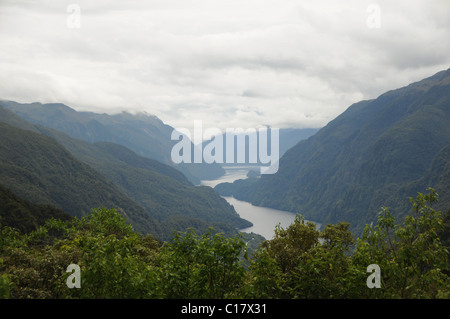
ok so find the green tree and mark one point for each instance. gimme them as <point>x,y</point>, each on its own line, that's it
<point>288,244</point>
<point>411,256</point>
<point>115,261</point>
<point>209,266</point>
<point>112,258</point>
<point>303,262</point>
<point>326,270</point>
<point>265,277</point>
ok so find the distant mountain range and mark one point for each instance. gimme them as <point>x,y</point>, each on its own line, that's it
<point>377,153</point>
<point>47,167</point>
<point>288,137</point>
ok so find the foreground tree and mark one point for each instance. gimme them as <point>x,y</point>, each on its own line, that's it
<point>299,262</point>
<point>115,261</point>
<point>411,256</point>
<point>209,266</point>
<point>302,262</point>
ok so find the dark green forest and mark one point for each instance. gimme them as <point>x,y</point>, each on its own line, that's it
<point>299,262</point>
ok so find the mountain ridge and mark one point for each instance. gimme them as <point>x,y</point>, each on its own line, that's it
<point>49,174</point>
<point>350,167</point>
<point>146,135</point>
<point>145,182</point>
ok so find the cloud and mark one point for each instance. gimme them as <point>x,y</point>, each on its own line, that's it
<point>228,63</point>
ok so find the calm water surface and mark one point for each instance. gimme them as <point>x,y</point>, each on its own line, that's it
<point>264,219</point>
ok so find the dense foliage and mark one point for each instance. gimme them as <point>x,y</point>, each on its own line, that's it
<point>23,215</point>
<point>299,262</point>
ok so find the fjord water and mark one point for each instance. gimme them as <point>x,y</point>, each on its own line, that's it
<point>232,173</point>
<point>264,219</point>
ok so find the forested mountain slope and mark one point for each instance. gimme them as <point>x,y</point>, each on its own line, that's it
<point>377,153</point>
<point>18,213</point>
<point>38,169</point>
<point>160,191</point>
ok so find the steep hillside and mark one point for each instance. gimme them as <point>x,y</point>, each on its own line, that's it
<point>144,134</point>
<point>161,190</point>
<point>20,214</point>
<point>162,195</point>
<point>41,171</point>
<point>376,153</point>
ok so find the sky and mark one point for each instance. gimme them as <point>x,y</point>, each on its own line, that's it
<point>227,63</point>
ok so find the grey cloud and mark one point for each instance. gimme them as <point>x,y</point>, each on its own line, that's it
<point>286,63</point>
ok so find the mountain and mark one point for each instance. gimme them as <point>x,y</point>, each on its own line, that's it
<point>143,133</point>
<point>20,214</point>
<point>288,137</point>
<point>39,170</point>
<point>162,191</point>
<point>377,153</point>
<point>291,136</point>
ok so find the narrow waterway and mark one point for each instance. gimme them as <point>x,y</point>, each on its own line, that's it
<point>232,173</point>
<point>264,219</point>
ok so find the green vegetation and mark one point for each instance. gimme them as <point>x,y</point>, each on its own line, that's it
<point>299,262</point>
<point>377,151</point>
<point>142,133</point>
<point>23,215</point>
<point>39,170</point>
<point>45,166</point>
<point>236,188</point>
<point>161,190</point>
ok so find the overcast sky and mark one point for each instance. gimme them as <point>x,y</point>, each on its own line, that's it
<point>228,63</point>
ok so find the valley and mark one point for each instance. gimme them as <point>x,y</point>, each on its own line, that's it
<point>377,153</point>
<point>101,190</point>
<point>264,219</point>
